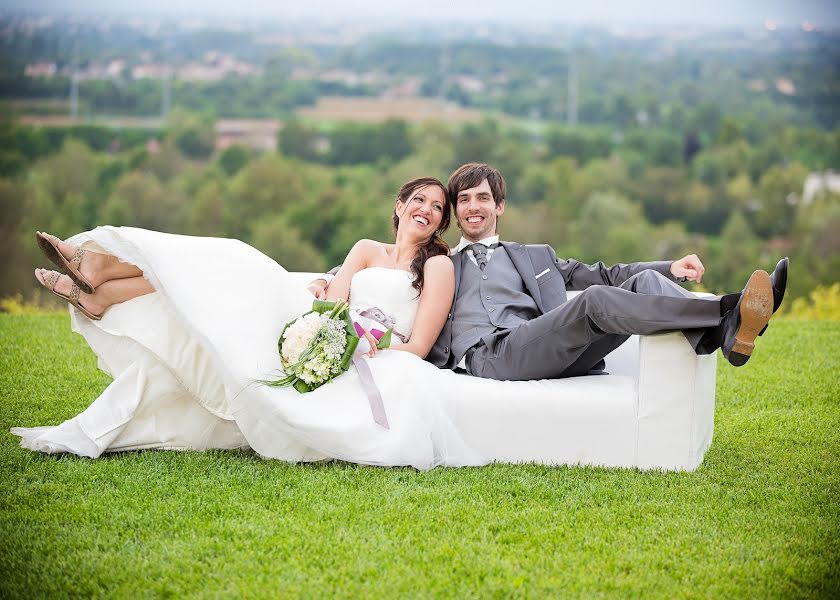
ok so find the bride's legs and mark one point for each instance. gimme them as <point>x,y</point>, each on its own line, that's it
<point>99,268</point>
<point>116,291</point>
<point>106,295</point>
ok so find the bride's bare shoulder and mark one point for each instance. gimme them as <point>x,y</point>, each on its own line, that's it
<point>370,248</point>
<point>440,264</point>
<point>441,261</point>
<point>378,250</point>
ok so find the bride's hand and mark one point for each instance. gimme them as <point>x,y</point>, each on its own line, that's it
<point>372,341</point>
<point>318,288</point>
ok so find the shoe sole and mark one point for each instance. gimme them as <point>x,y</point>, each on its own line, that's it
<point>77,306</point>
<point>56,258</point>
<point>756,310</point>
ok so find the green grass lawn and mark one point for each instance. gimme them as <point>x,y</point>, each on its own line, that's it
<point>760,518</point>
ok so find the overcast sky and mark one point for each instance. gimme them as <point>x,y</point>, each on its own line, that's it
<point>823,13</point>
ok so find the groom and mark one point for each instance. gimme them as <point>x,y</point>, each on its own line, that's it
<point>511,320</point>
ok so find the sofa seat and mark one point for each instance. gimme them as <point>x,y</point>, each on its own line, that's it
<point>653,410</point>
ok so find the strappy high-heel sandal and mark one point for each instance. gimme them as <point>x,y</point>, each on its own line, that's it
<point>73,298</point>
<point>49,246</point>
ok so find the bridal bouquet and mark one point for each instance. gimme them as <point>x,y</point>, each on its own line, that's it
<point>318,346</point>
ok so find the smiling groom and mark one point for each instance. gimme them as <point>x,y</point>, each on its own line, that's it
<point>511,319</point>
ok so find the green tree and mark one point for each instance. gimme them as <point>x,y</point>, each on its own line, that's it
<point>476,142</point>
<point>165,164</point>
<point>816,245</point>
<point>194,135</point>
<point>208,214</point>
<point>269,185</point>
<point>393,140</point>
<point>552,183</point>
<point>233,158</point>
<point>139,200</point>
<point>355,143</point>
<point>12,162</point>
<point>735,255</point>
<point>16,266</point>
<point>706,119</point>
<point>658,147</point>
<point>717,165</point>
<point>778,193</point>
<point>196,142</point>
<point>730,132</point>
<point>299,140</point>
<point>662,193</point>
<point>624,113</point>
<point>613,229</point>
<point>280,66</point>
<point>581,144</point>
<point>65,189</point>
<point>600,175</point>
<point>281,241</point>
<point>73,170</point>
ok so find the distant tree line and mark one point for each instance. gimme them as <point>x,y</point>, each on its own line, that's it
<point>593,195</point>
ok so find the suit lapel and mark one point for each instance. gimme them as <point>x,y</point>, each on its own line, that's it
<point>519,257</point>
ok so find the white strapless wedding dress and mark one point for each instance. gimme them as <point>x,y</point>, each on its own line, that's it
<point>185,361</point>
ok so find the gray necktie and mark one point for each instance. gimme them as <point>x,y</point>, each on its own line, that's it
<point>480,253</point>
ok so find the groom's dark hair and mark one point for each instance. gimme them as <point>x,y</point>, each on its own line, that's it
<point>472,174</point>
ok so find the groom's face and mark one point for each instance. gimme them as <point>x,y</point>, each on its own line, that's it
<point>476,212</point>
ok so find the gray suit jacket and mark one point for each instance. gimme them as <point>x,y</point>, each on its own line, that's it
<point>556,276</point>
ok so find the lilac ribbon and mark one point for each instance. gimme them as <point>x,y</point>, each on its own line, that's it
<point>377,407</point>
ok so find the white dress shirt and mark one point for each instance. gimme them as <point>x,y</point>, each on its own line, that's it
<point>488,241</point>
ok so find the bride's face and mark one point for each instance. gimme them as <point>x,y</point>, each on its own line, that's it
<point>421,214</point>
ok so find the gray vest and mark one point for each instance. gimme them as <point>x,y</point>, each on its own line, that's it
<point>488,301</point>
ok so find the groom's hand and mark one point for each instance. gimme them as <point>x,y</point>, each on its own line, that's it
<point>318,288</point>
<point>688,267</point>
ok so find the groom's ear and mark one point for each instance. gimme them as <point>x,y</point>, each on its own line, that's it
<point>500,208</point>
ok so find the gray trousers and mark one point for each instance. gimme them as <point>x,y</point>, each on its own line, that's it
<point>574,337</point>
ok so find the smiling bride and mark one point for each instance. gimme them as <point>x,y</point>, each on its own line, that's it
<point>187,326</point>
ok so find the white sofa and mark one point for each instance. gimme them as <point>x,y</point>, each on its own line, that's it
<point>654,410</point>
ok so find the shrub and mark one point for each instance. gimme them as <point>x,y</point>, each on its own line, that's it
<point>822,304</point>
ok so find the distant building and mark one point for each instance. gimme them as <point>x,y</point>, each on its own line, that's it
<point>757,85</point>
<point>819,183</point>
<point>256,134</point>
<point>348,78</point>
<point>342,76</point>
<point>469,84</point>
<point>785,86</point>
<point>409,88</point>
<point>150,71</point>
<point>115,68</point>
<point>41,69</point>
<point>214,67</point>
<point>152,146</point>
<point>200,72</point>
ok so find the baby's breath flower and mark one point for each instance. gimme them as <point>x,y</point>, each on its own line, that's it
<point>324,341</point>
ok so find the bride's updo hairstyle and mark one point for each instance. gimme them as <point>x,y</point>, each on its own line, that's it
<point>435,246</point>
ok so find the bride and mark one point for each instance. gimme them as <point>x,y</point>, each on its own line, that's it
<point>187,327</point>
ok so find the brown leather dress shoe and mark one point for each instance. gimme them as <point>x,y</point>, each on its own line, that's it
<point>743,324</point>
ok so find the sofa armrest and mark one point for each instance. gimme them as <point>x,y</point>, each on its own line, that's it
<point>676,401</point>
